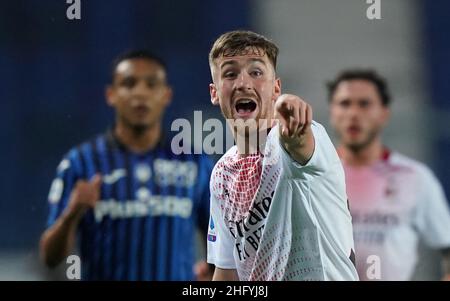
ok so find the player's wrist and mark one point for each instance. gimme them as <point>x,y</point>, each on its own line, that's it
<point>292,145</point>
<point>73,214</point>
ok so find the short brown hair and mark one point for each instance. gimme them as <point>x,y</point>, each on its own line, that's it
<point>369,75</point>
<point>234,42</point>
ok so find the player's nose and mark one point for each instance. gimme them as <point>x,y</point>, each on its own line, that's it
<point>243,82</point>
<point>353,110</point>
<point>141,89</point>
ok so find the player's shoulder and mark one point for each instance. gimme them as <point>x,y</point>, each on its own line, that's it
<point>405,163</point>
<point>317,125</point>
<point>73,157</point>
<point>93,144</point>
<point>223,161</point>
<point>229,154</point>
<point>319,130</point>
<point>428,187</point>
<point>401,160</point>
<point>76,148</point>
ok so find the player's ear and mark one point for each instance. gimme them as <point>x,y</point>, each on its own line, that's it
<point>109,95</point>
<point>276,89</point>
<point>169,95</point>
<point>332,113</point>
<point>214,94</point>
<point>386,115</point>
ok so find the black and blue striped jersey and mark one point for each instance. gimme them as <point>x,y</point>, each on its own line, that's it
<point>143,226</point>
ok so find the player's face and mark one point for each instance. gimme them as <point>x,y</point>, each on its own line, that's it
<point>245,86</point>
<point>139,93</point>
<point>357,113</point>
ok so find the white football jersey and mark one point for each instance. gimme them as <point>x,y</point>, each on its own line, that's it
<point>274,219</point>
<point>397,206</point>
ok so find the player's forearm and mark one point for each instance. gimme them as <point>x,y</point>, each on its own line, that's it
<point>204,242</point>
<point>225,275</point>
<point>300,148</point>
<point>57,241</point>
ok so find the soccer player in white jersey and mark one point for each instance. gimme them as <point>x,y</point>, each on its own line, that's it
<point>278,206</point>
<point>397,204</point>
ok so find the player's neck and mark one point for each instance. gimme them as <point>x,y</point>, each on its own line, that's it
<point>251,145</point>
<point>138,141</point>
<point>361,157</point>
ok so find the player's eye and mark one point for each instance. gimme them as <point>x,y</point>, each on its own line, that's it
<point>229,74</point>
<point>128,82</point>
<point>256,73</point>
<point>345,104</point>
<point>152,82</point>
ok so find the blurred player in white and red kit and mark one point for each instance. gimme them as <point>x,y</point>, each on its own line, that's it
<point>397,204</point>
<point>278,205</point>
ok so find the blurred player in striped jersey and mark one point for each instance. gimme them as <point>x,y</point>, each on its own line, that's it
<point>135,205</point>
<point>278,205</point>
<point>397,204</point>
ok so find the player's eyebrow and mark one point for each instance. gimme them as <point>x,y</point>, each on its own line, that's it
<point>257,60</point>
<point>233,62</point>
<point>230,62</point>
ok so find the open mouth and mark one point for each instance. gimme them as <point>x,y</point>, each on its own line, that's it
<point>141,109</point>
<point>354,130</point>
<point>245,106</point>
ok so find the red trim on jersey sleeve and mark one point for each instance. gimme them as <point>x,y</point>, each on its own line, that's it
<point>385,154</point>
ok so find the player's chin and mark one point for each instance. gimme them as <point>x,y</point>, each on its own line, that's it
<point>141,125</point>
<point>355,144</point>
<point>351,140</point>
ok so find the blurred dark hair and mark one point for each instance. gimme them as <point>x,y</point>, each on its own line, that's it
<point>236,42</point>
<point>369,75</point>
<point>136,54</point>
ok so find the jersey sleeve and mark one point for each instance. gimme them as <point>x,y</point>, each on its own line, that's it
<point>432,218</point>
<point>323,158</point>
<point>220,242</point>
<point>61,187</point>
